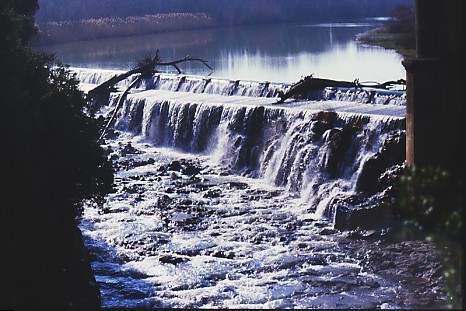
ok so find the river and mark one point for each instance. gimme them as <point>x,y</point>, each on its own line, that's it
<point>278,53</point>
<point>225,199</point>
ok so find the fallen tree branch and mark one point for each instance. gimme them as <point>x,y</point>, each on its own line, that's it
<point>185,59</point>
<point>309,84</point>
<point>145,68</point>
<point>117,106</point>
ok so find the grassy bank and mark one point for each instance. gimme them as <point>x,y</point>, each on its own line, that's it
<point>403,43</point>
<point>89,29</point>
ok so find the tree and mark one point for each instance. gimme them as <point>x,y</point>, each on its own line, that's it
<point>51,162</point>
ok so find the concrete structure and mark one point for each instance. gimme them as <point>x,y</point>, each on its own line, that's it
<point>435,87</point>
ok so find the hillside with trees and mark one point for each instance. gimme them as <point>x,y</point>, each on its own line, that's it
<point>87,19</point>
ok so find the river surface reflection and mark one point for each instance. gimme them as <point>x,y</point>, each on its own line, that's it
<point>278,53</point>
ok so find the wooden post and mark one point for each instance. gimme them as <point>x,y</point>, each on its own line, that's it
<point>434,79</point>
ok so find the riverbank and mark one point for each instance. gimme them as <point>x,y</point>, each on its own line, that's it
<point>393,41</point>
<point>108,27</point>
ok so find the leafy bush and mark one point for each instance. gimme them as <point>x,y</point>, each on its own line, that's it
<point>430,197</point>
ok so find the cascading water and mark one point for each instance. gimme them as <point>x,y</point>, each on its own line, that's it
<point>224,199</point>
<point>307,152</point>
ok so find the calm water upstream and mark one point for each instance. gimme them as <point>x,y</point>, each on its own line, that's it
<point>278,53</point>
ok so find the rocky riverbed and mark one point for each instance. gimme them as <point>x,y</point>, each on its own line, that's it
<point>178,231</point>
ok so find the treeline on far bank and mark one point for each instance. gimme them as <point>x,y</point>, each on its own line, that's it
<point>87,19</point>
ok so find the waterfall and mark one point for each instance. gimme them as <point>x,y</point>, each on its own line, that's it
<point>313,155</point>
<point>325,157</point>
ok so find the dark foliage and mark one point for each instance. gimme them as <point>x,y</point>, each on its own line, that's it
<point>402,20</point>
<point>50,162</point>
<point>402,23</point>
<point>432,199</point>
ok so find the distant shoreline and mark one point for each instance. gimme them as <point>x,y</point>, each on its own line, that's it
<point>109,27</point>
<point>92,29</point>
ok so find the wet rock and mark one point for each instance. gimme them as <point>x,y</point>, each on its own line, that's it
<point>186,167</point>
<point>327,231</point>
<point>257,194</point>
<point>366,282</point>
<point>174,166</point>
<point>322,121</point>
<point>174,175</point>
<point>190,170</point>
<point>376,174</point>
<point>169,259</point>
<point>114,157</point>
<point>303,245</point>
<point>132,189</point>
<point>237,185</point>
<point>221,254</point>
<point>340,150</point>
<point>364,234</point>
<point>163,201</point>
<point>317,260</point>
<point>213,193</point>
<point>407,261</point>
<point>111,134</point>
<point>195,178</point>
<point>129,149</point>
<point>149,161</point>
<point>371,217</point>
<point>203,187</point>
<point>108,150</point>
<point>181,287</point>
<point>182,202</point>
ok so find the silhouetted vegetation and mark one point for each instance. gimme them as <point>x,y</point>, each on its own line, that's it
<point>402,23</point>
<point>51,162</point>
<point>402,20</point>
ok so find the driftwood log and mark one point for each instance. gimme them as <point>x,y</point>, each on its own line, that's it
<point>309,84</point>
<point>145,69</point>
